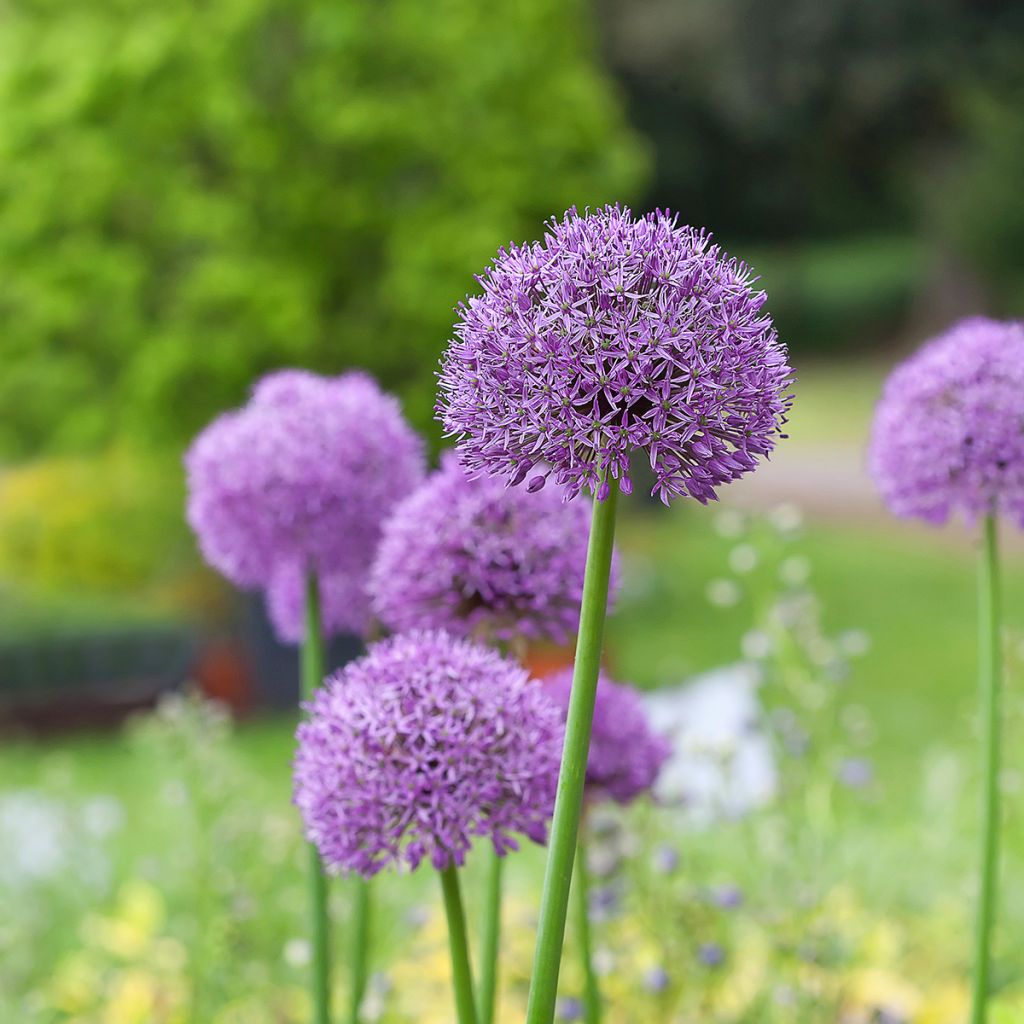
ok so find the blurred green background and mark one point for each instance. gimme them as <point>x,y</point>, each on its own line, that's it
<point>193,193</point>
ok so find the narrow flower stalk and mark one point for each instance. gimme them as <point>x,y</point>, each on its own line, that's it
<point>490,938</point>
<point>362,915</point>
<point>462,975</point>
<point>990,672</point>
<point>569,799</point>
<point>591,989</point>
<point>312,677</point>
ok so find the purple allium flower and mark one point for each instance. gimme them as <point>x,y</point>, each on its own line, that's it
<point>615,333</point>
<point>304,473</point>
<point>418,746</point>
<point>949,430</point>
<point>625,753</point>
<point>479,559</point>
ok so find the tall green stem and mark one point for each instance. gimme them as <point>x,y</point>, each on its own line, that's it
<point>569,800</point>
<point>361,914</point>
<point>462,975</point>
<point>990,672</point>
<point>591,991</point>
<point>312,677</point>
<point>491,939</point>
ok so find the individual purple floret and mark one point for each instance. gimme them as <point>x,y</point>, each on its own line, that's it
<point>616,334</point>
<point>479,559</point>
<point>420,745</point>
<point>625,753</point>
<point>304,473</point>
<point>949,430</point>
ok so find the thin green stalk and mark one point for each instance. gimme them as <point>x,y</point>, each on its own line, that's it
<point>569,800</point>
<point>591,991</point>
<point>990,672</point>
<point>361,916</point>
<point>490,944</point>
<point>312,677</point>
<point>462,975</point>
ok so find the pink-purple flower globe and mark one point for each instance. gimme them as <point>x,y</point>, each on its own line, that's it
<point>616,334</point>
<point>479,559</point>
<point>304,474</point>
<point>418,747</point>
<point>948,434</point>
<point>626,754</point>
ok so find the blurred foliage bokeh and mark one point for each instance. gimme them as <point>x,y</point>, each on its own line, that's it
<point>194,193</point>
<point>191,194</point>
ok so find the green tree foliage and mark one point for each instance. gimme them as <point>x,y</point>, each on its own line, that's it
<point>193,193</point>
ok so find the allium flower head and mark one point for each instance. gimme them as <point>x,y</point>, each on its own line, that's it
<point>948,434</point>
<point>479,559</point>
<point>625,753</point>
<point>304,474</point>
<point>420,745</point>
<point>615,333</point>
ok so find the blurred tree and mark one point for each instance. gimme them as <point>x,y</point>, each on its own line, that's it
<point>193,193</point>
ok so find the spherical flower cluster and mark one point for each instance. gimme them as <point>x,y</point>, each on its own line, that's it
<point>303,474</point>
<point>625,753</point>
<point>948,434</point>
<point>616,334</point>
<point>479,559</point>
<point>420,745</point>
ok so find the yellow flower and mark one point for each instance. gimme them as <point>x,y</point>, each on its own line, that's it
<point>132,999</point>
<point>137,918</point>
<point>75,984</point>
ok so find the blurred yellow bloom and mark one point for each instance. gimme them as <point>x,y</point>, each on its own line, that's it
<point>132,999</point>
<point>75,984</point>
<point>137,918</point>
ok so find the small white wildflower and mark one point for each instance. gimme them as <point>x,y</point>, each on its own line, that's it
<point>743,558</point>
<point>723,593</point>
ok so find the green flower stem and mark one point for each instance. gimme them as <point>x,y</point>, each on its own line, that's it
<point>990,672</point>
<point>569,800</point>
<point>591,991</point>
<point>312,677</point>
<point>490,944</point>
<point>462,975</point>
<point>361,916</point>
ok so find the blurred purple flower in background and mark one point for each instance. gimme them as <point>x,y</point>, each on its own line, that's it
<point>616,333</point>
<point>300,480</point>
<point>949,430</point>
<point>625,752</point>
<point>420,745</point>
<point>477,558</point>
<point>344,603</point>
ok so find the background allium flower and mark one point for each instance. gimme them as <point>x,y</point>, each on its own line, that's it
<point>949,429</point>
<point>625,753</point>
<point>420,745</point>
<point>304,473</point>
<point>616,334</point>
<point>477,558</point>
<point>344,605</point>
